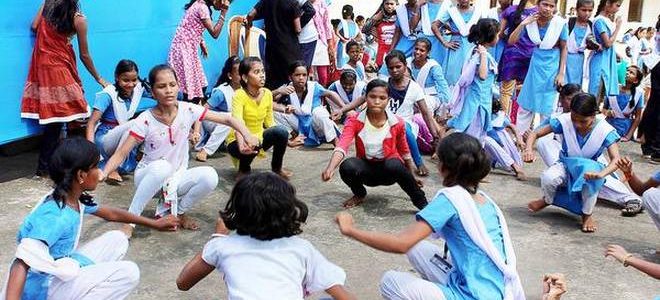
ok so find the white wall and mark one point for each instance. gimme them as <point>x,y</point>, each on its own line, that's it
<point>650,11</point>
<point>361,7</point>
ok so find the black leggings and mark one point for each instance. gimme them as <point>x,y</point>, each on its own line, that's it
<point>357,173</point>
<point>49,140</point>
<point>276,137</point>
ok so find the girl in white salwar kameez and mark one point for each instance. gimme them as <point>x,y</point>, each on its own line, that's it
<point>500,145</point>
<point>483,261</point>
<point>164,130</point>
<point>48,263</point>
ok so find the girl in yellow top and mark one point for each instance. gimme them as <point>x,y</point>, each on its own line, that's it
<point>253,104</point>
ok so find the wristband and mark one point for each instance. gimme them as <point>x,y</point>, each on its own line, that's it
<point>215,235</point>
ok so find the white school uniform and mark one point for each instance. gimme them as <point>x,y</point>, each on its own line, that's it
<point>285,268</point>
<point>217,133</point>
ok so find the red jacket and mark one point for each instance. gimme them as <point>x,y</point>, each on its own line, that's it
<point>394,145</point>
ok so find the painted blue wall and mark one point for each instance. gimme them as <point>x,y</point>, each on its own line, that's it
<point>139,30</point>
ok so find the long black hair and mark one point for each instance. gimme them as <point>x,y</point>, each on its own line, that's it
<point>517,14</point>
<point>465,161</point>
<point>226,69</point>
<point>208,3</point>
<point>61,14</point>
<point>633,86</point>
<point>602,3</point>
<point>70,156</point>
<point>127,65</point>
<point>584,104</point>
<point>264,206</point>
<point>484,31</point>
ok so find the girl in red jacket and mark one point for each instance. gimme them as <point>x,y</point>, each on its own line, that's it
<point>382,153</point>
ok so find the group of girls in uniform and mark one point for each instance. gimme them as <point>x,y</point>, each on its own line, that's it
<point>441,75</point>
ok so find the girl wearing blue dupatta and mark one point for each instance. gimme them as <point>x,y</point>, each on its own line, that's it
<point>547,66</point>
<point>472,100</point>
<point>347,31</point>
<point>575,180</point>
<point>624,111</point>
<point>407,27</point>
<point>602,65</point>
<point>578,29</point>
<point>460,19</point>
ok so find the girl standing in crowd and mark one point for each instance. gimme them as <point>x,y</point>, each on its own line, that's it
<point>407,26</point>
<point>381,149</point>
<point>460,19</point>
<point>214,134</point>
<point>500,145</point>
<point>548,65</point>
<point>602,66</point>
<point>516,56</point>
<point>306,116</point>
<point>183,56</point>
<point>53,92</point>
<point>324,52</point>
<point>347,31</point>
<point>496,13</point>
<point>48,263</point>
<point>575,181</point>
<point>253,106</point>
<point>264,251</point>
<point>382,26</point>
<point>429,12</point>
<point>164,130</point>
<point>624,111</point>
<point>472,103</point>
<point>114,107</point>
<point>579,28</point>
<point>354,52</point>
<point>473,227</point>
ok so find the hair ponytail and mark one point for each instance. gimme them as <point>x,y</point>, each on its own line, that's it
<point>517,14</point>
<point>633,86</point>
<point>601,6</point>
<point>464,160</point>
<point>70,156</point>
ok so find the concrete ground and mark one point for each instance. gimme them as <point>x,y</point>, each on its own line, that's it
<point>546,242</point>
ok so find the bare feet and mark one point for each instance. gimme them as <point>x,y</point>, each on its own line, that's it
<point>353,202</point>
<point>188,222</point>
<point>297,141</point>
<point>536,205</point>
<point>520,174</point>
<point>284,173</point>
<point>422,171</point>
<point>588,224</point>
<point>127,229</point>
<point>201,156</point>
<point>114,178</point>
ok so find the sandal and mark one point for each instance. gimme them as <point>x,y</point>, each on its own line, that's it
<point>632,208</point>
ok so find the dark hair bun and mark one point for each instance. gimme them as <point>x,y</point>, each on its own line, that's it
<point>464,159</point>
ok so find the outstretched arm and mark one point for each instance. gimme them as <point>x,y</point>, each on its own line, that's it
<point>393,243</point>
<point>193,272</point>
<point>113,214</point>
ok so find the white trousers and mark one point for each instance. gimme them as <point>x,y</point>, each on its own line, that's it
<point>404,286</point>
<point>524,119</point>
<point>217,135</point>
<point>108,278</point>
<point>651,200</point>
<point>195,184</point>
<point>554,177</point>
<point>614,190</point>
<point>115,137</point>
<point>501,157</point>
<point>322,125</point>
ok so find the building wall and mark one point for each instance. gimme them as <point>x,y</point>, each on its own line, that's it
<point>650,11</point>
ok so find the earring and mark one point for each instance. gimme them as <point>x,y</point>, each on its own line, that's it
<point>82,181</point>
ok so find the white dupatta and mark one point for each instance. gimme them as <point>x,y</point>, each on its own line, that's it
<point>424,74</point>
<point>551,36</point>
<point>228,92</point>
<point>461,25</point>
<point>608,22</point>
<point>476,230</point>
<point>304,108</point>
<point>572,44</point>
<point>402,17</point>
<point>357,91</point>
<point>426,18</point>
<point>624,113</point>
<point>592,145</point>
<point>118,104</point>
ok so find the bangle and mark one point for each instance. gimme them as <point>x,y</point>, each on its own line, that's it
<point>215,235</point>
<point>625,260</point>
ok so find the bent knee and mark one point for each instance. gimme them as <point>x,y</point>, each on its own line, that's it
<point>128,272</point>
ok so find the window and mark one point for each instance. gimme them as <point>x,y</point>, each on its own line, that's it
<point>635,10</point>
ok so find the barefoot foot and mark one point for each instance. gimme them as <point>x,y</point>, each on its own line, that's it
<point>114,178</point>
<point>520,174</point>
<point>188,222</point>
<point>353,202</point>
<point>284,173</point>
<point>536,205</point>
<point>588,224</point>
<point>201,156</point>
<point>422,171</point>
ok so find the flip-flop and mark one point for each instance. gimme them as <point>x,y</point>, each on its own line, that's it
<point>632,208</point>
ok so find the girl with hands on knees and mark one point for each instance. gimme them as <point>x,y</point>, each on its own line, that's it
<point>575,180</point>
<point>164,130</point>
<point>383,156</point>
<point>48,263</point>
